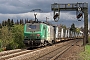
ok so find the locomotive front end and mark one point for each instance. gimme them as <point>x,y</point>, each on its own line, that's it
<point>32,34</point>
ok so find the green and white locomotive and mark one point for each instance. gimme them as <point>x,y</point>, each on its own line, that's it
<point>42,34</point>
<point>38,34</point>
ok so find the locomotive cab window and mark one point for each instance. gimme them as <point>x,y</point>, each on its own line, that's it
<point>32,26</point>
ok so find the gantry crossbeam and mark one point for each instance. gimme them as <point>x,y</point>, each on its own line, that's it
<point>69,7</point>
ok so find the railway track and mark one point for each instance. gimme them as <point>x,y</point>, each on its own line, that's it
<point>9,52</point>
<point>46,53</point>
<point>69,46</point>
<point>73,52</point>
<point>56,53</point>
<point>14,53</point>
<point>7,55</point>
<point>18,53</point>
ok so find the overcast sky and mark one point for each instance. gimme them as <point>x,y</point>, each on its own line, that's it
<point>20,9</point>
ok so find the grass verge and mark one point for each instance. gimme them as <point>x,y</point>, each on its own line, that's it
<point>86,54</point>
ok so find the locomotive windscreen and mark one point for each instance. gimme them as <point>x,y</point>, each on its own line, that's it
<point>32,27</point>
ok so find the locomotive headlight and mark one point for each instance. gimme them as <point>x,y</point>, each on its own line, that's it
<point>26,37</point>
<point>38,35</point>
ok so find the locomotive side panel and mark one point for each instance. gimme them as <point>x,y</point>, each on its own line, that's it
<point>51,33</point>
<point>48,33</point>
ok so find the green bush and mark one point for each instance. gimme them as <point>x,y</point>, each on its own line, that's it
<point>12,37</point>
<point>18,35</point>
<point>0,46</point>
<point>11,46</point>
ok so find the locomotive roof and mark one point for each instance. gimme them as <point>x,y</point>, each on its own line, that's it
<point>47,23</point>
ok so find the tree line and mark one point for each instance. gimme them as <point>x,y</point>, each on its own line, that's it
<point>10,22</point>
<point>11,34</point>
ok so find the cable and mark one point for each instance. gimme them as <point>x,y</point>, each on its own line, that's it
<point>36,10</point>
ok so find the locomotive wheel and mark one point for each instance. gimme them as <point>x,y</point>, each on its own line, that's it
<point>53,42</point>
<point>45,43</point>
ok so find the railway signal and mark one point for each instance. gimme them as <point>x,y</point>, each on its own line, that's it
<point>56,16</point>
<point>79,14</point>
<point>56,12</point>
<point>80,8</point>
